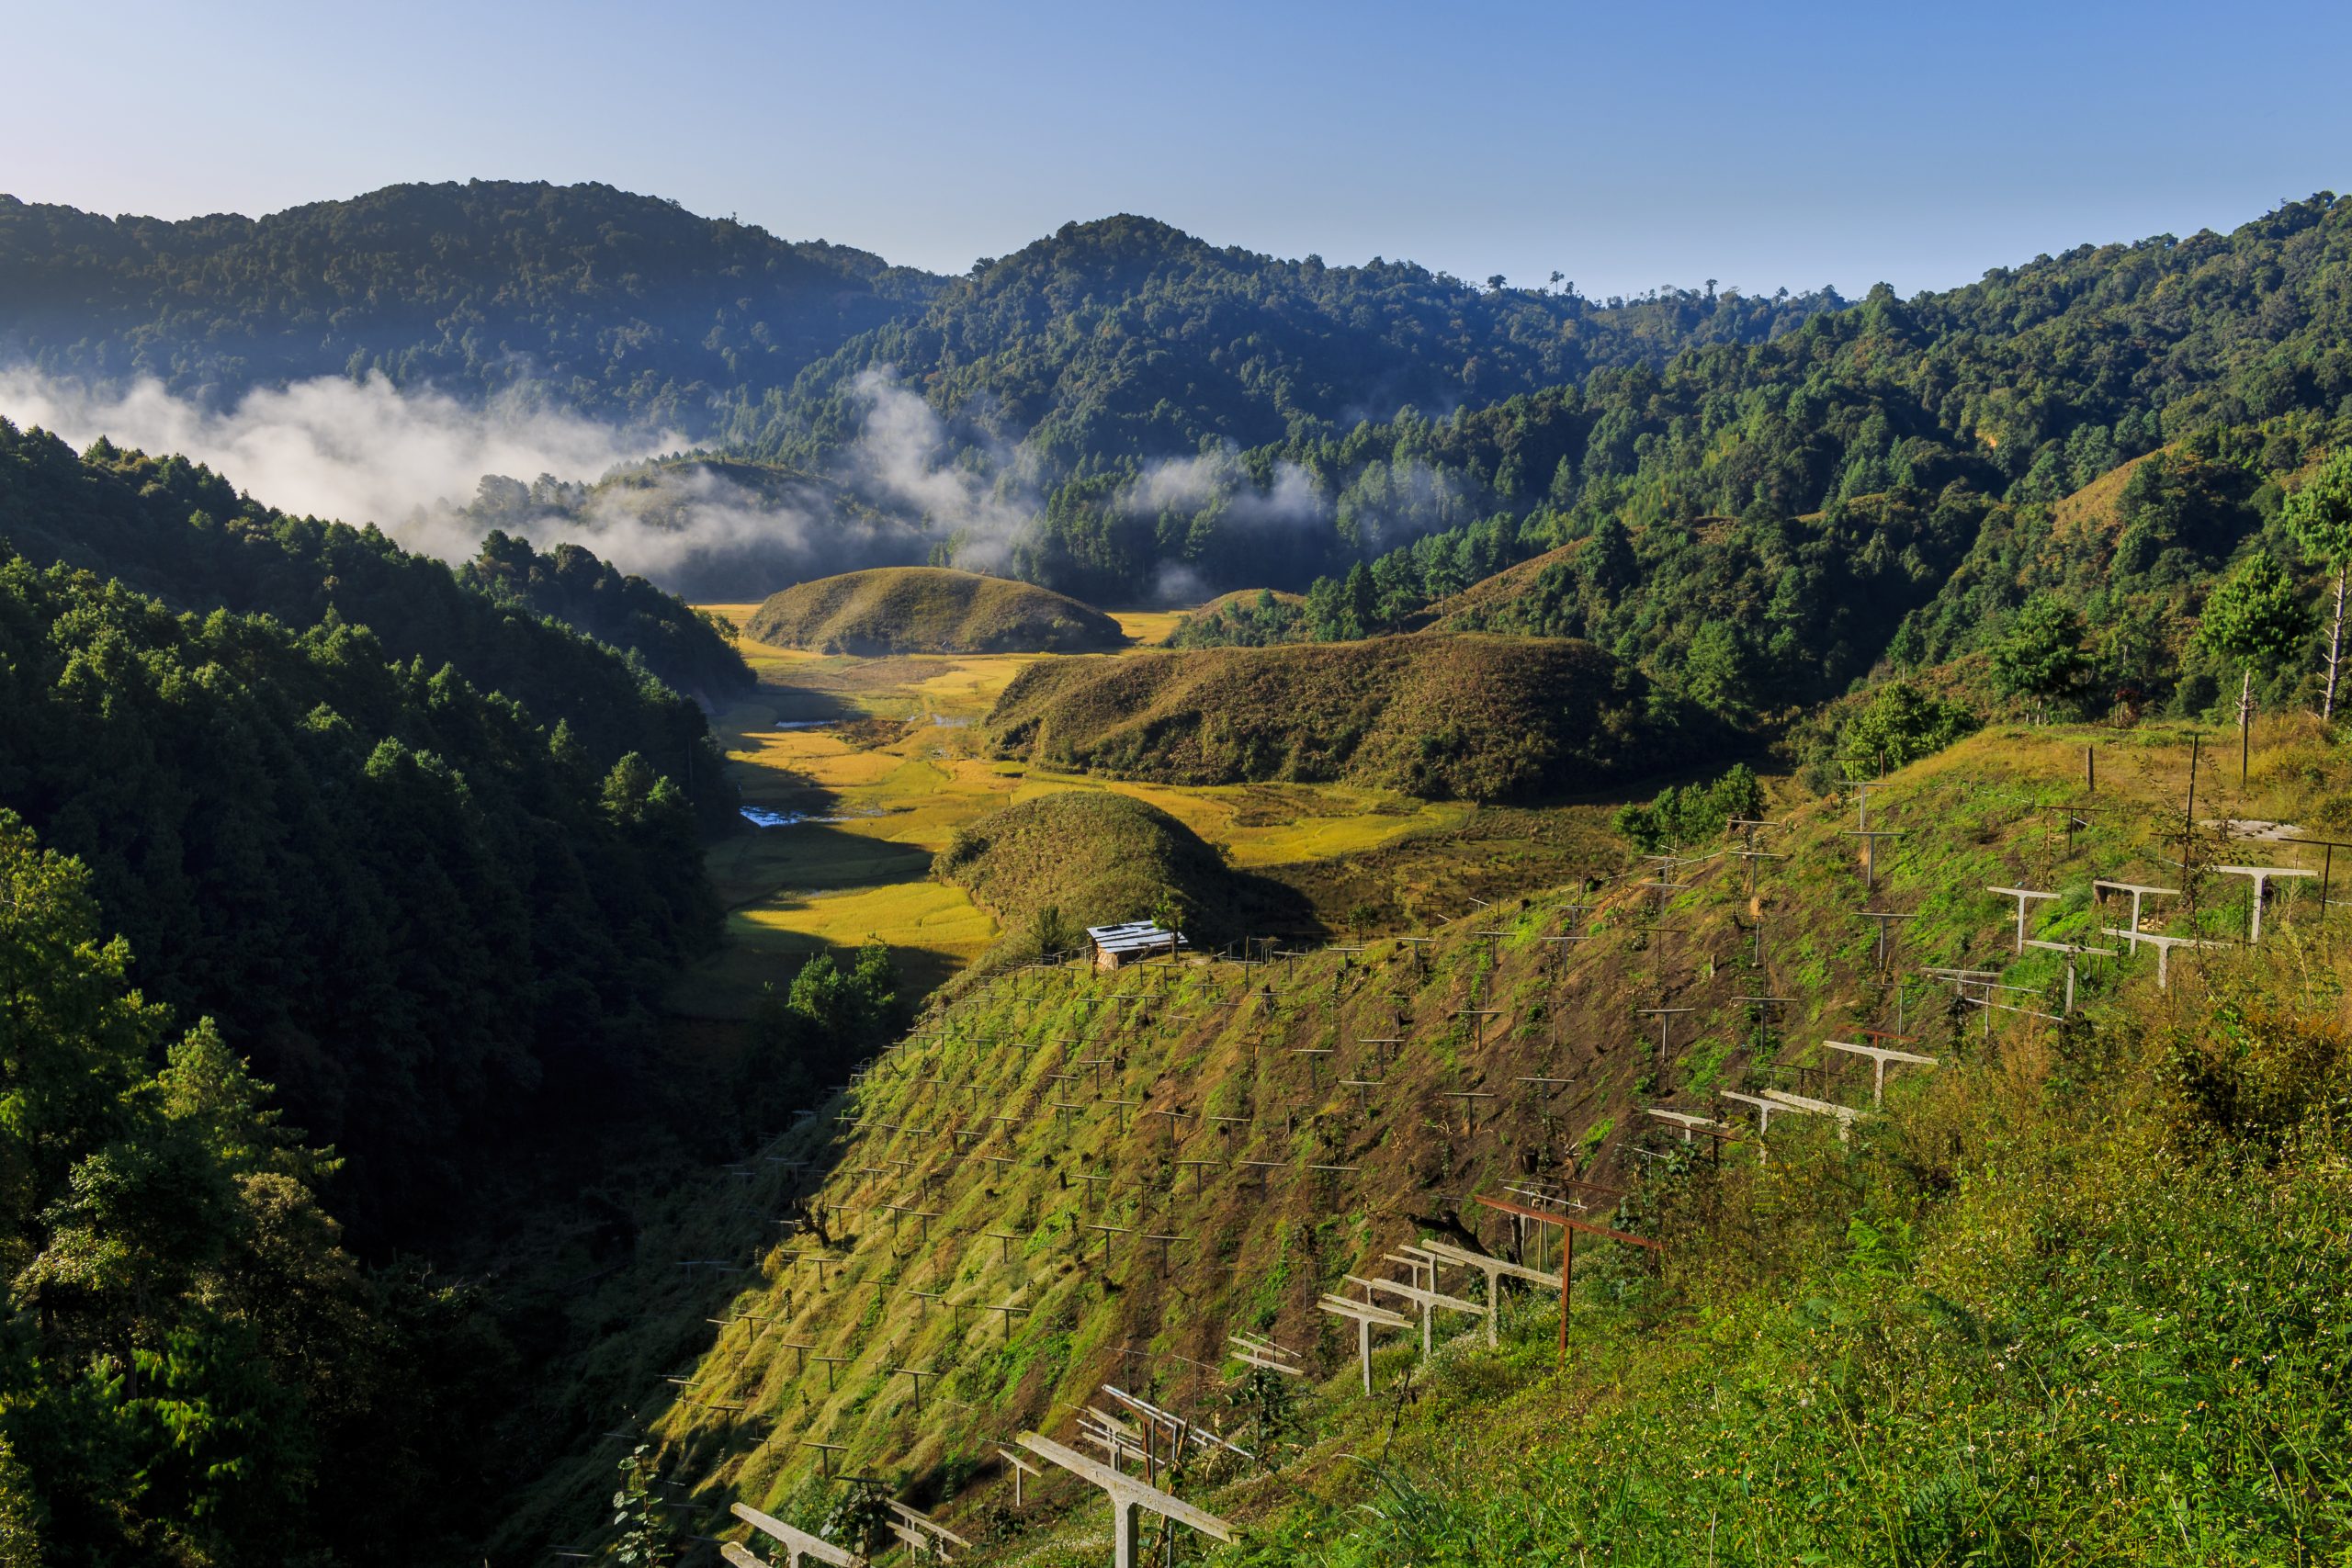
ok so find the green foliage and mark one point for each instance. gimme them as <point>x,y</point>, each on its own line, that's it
<point>1900,725</point>
<point>927,610</point>
<point>1051,933</point>
<point>858,1516</point>
<point>640,1530</point>
<point>2040,655</point>
<point>410,905</point>
<point>684,649</point>
<point>1682,815</point>
<point>828,1019</point>
<point>2256,618</point>
<point>194,1370</point>
<point>19,1513</point>
<point>2318,513</point>
<point>1269,1403</point>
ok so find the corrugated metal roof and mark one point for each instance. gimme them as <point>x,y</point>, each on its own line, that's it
<point>1134,936</point>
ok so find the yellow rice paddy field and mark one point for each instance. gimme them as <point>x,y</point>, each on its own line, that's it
<point>872,763</point>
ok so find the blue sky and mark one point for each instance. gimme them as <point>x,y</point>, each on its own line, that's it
<point>1624,146</point>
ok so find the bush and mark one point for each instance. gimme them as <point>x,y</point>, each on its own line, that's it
<point>1688,814</point>
<point>1901,725</point>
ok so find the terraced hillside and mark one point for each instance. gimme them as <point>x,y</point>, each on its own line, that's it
<point>1439,717</point>
<point>1060,1180</point>
<point>912,609</point>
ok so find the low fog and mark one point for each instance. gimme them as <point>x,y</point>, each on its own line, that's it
<point>413,462</point>
<point>437,473</point>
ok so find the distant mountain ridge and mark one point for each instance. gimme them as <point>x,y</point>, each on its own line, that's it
<point>1125,336</point>
<point>614,303</point>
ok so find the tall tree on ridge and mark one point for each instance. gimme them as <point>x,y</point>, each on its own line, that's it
<point>2320,517</point>
<point>2254,619</point>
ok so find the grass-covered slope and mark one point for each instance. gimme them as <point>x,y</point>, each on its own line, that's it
<point>1477,718</point>
<point>2074,1296</point>
<point>929,610</point>
<point>1099,858</point>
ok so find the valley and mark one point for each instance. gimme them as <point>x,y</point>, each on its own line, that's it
<point>883,758</point>
<point>1764,975</point>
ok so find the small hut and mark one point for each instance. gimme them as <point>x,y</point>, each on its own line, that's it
<point>1116,946</point>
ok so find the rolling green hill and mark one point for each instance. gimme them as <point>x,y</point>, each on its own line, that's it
<point>929,610</point>
<point>1476,718</point>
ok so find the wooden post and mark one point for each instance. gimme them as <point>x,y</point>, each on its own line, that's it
<point>1568,1227</point>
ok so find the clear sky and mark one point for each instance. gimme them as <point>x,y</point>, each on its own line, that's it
<point>1624,145</point>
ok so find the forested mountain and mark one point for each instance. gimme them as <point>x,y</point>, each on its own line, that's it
<point>420,852</point>
<point>1758,525</point>
<point>620,304</point>
<point>179,532</point>
<point>1126,338</point>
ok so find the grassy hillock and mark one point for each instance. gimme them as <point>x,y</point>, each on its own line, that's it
<point>929,610</point>
<point>1248,617</point>
<point>1476,718</point>
<point>1098,858</point>
<point>2072,1295</point>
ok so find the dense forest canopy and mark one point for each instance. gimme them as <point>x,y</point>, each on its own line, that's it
<point>420,852</point>
<point>1126,338</point>
<point>688,650</point>
<point>1760,525</point>
<point>176,530</point>
<point>195,1370</point>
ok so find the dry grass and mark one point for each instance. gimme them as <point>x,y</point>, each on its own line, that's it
<point>893,610</point>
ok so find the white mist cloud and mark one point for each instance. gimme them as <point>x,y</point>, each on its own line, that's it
<point>1188,484</point>
<point>359,451</point>
<point>409,461</point>
<point>905,457</point>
